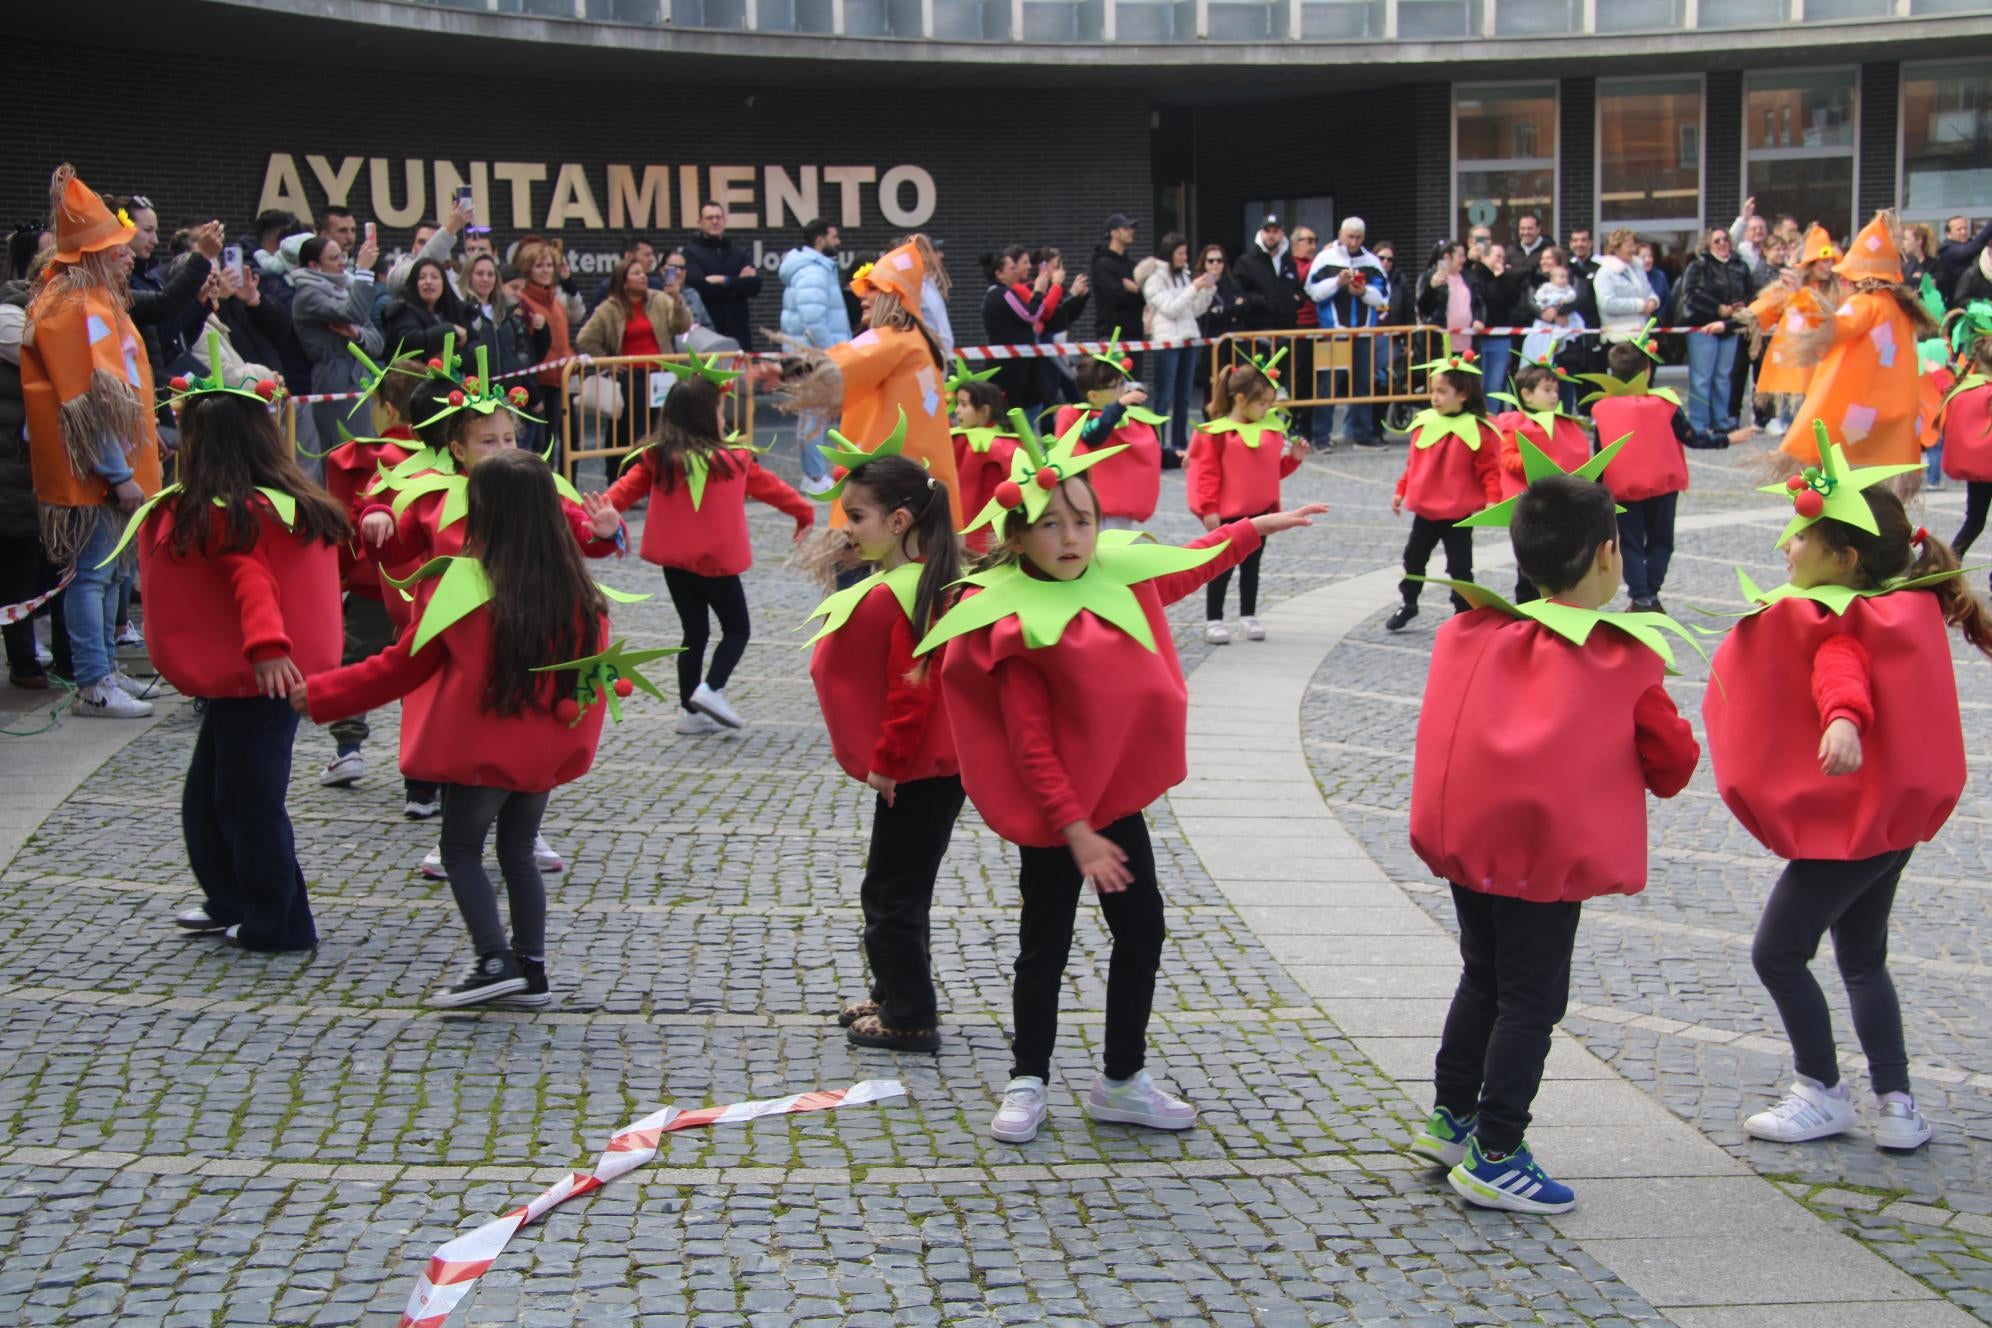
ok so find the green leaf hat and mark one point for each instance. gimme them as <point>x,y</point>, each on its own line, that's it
<point>706,367</point>
<point>607,677</point>
<point>478,393</point>
<point>262,391</point>
<point>1037,468</point>
<point>372,375</point>
<point>1539,465</point>
<point>963,375</point>
<point>1117,359</point>
<point>848,456</point>
<point>1833,488</point>
<point>1451,361</point>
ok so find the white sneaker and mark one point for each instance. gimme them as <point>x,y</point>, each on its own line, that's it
<point>417,810</point>
<point>1023,1110</point>
<point>1217,633</point>
<point>343,770</point>
<point>1254,630</point>
<point>432,865</point>
<point>544,857</point>
<point>196,919</point>
<point>130,636</point>
<point>1138,1101</point>
<point>1808,1112</point>
<point>1898,1124</point>
<point>692,723</point>
<point>1778,426</point>
<point>815,484</point>
<point>713,702</point>
<point>107,700</point>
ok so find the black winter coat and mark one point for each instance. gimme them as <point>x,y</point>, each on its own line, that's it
<point>1712,282</point>
<point>1114,305</point>
<point>1271,288</point>
<point>19,515</point>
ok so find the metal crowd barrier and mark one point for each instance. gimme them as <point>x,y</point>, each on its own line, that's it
<point>589,432</point>
<point>1317,367</point>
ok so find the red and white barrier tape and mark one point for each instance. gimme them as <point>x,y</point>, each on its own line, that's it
<point>13,613</point>
<point>456,1265</point>
<point>307,398</point>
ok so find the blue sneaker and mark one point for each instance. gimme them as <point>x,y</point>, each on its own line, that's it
<point>1514,1182</point>
<point>1443,1138</point>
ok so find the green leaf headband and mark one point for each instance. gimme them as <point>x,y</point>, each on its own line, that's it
<point>1648,344</point>
<point>963,375</point>
<point>1037,469</point>
<point>1451,362</point>
<point>373,375</point>
<point>611,675</point>
<point>1123,364</point>
<point>1610,385</point>
<point>851,457</point>
<point>1833,488</point>
<point>699,366</point>
<point>262,391</point>
<point>479,394</point>
<point>1539,465</point>
<point>1269,368</point>
<point>1968,324</point>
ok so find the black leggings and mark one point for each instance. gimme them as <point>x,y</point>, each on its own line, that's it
<point>908,840</point>
<point>1852,900</point>
<point>1248,582</point>
<point>1050,883</point>
<point>1977,498</point>
<point>693,596</point>
<point>468,813</point>
<point>1427,535</point>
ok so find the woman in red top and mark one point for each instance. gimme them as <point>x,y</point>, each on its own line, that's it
<point>498,733</point>
<point>696,531</point>
<point>888,728</point>
<point>240,567</point>
<point>633,320</point>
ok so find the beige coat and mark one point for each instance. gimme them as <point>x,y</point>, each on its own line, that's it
<point>602,334</point>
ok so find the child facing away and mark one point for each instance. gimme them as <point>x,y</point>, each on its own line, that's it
<point>982,447</point>
<point>239,565</point>
<point>1966,423</point>
<point>889,728</point>
<point>1235,466</point>
<point>497,732</point>
<point>1069,713</point>
<point>696,531</point>
<point>1452,470</point>
<point>1538,419</point>
<point>1836,741</point>
<point>1526,821</point>
<point>1129,484</point>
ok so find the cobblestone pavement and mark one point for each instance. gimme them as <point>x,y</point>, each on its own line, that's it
<point>1663,987</point>
<point>195,1136</point>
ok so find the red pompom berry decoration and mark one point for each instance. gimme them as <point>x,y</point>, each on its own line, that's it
<point>470,383</point>
<point>456,398</point>
<point>179,383</point>
<point>838,472</point>
<point>1468,356</point>
<point>1009,494</point>
<point>1652,348</point>
<point>266,388</point>
<point>436,364</point>
<point>1127,363</point>
<point>624,687</point>
<point>567,710</point>
<point>1272,375</point>
<point>1795,483</point>
<point>1046,478</point>
<point>1809,504</point>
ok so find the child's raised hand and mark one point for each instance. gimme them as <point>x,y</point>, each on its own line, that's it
<point>1840,748</point>
<point>1272,523</point>
<point>1102,862</point>
<point>883,784</point>
<point>1134,396</point>
<point>299,700</point>
<point>376,528</point>
<point>603,518</point>
<point>276,677</point>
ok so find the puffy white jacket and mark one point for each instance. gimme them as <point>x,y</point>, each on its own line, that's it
<point>1175,302</point>
<point>1622,292</point>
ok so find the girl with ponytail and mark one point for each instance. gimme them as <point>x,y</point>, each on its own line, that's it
<point>888,728</point>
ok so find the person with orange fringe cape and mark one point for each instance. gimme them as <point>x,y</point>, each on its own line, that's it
<point>1794,315</point>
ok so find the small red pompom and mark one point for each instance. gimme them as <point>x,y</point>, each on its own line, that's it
<point>456,398</point>
<point>727,386</point>
<point>624,687</point>
<point>1272,375</point>
<point>1795,483</point>
<point>1468,356</point>
<point>266,388</point>
<point>1652,348</point>
<point>567,710</point>
<point>1009,494</point>
<point>518,395</point>
<point>838,472</point>
<point>1046,478</point>
<point>179,383</point>
<point>436,364</point>
<point>1809,504</point>
<point>1127,363</point>
<point>470,383</point>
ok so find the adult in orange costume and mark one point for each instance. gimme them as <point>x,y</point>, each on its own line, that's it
<point>1865,389</point>
<point>1796,313</point>
<point>87,386</point>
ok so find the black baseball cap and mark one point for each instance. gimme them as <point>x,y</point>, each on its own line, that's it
<point>1270,220</point>
<point>1118,220</point>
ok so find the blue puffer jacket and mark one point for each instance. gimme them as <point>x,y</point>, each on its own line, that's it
<point>812,301</point>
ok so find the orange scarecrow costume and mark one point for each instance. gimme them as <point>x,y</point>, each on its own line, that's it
<point>85,380</point>
<point>1798,322</point>
<point>1865,389</point>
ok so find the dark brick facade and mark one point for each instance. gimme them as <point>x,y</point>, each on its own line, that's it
<point>1722,147</point>
<point>1880,140</point>
<point>1577,148</point>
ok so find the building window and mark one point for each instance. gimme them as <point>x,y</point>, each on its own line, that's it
<point>1946,139</point>
<point>1798,137</point>
<point>1504,156</point>
<point>1649,161</point>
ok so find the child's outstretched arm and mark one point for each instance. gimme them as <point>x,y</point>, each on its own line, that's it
<point>1244,536</point>
<point>631,486</point>
<point>370,684</point>
<point>1665,742</point>
<point>772,489</point>
<point>1842,692</point>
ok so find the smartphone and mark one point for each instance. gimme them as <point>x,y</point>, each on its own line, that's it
<point>373,236</point>
<point>463,196</point>
<point>231,257</point>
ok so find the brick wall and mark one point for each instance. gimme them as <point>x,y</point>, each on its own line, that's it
<point>1880,132</point>
<point>1722,148</point>
<point>1576,139</point>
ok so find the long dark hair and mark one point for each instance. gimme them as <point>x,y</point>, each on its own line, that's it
<point>688,424</point>
<point>1892,552</point>
<point>1470,387</point>
<point>544,608</point>
<point>894,483</point>
<point>447,307</point>
<point>229,448</point>
<point>993,263</point>
<point>619,283</point>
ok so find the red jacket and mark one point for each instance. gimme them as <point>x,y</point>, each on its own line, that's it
<point>1566,445</point>
<point>1228,477</point>
<point>211,616</point>
<point>350,470</point>
<point>446,734</point>
<point>1130,483</point>
<point>1968,434</point>
<point>1534,757</point>
<point>1091,728</point>
<point>878,719</point>
<point>1764,725</point>
<point>1450,480</point>
<point>710,540</point>
<point>1652,462</point>
<point>977,474</point>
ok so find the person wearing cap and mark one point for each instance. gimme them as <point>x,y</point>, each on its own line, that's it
<point>1268,281</point>
<point>1117,298</point>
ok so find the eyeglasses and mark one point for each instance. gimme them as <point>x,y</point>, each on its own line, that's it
<point>1386,258</point>
<point>1216,259</point>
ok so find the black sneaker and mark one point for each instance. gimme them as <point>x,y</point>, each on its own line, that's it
<point>489,978</point>
<point>1644,606</point>
<point>1397,621</point>
<point>536,991</point>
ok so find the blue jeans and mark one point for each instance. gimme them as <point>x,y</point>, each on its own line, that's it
<point>1711,364</point>
<point>1175,378</point>
<point>1933,464</point>
<point>1359,379</point>
<point>1646,542</point>
<point>810,426</point>
<point>1495,353</point>
<point>238,832</point>
<point>90,605</point>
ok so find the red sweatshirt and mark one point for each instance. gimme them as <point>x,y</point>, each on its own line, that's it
<point>978,474</point>
<point>1566,445</point>
<point>350,471</point>
<point>1228,477</point>
<point>879,719</point>
<point>1128,484</point>
<point>1968,435</point>
<point>710,539</point>
<point>1450,480</point>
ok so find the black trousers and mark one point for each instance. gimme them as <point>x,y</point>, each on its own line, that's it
<point>1852,900</point>
<point>1646,541</point>
<point>1427,535</point>
<point>908,841</point>
<point>469,811</point>
<point>26,572</point>
<point>1050,884</point>
<point>698,600</point>
<point>369,631</point>
<point>1248,581</point>
<point>1514,983</point>
<point>1977,499</point>
<point>238,833</point>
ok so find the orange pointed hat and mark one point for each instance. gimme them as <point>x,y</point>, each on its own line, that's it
<point>1818,246</point>
<point>83,225</point>
<point>899,271</point>
<point>1873,255</point>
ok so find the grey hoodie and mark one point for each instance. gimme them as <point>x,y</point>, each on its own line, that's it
<point>321,300</point>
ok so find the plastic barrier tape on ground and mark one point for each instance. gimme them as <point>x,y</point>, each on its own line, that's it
<point>456,1265</point>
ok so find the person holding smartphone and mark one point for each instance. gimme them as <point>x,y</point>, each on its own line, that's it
<point>430,241</point>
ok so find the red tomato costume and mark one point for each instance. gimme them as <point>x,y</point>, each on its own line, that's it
<point>215,615</point>
<point>878,719</point>
<point>1128,484</point>
<point>1652,462</point>
<point>1967,427</point>
<point>1449,479</point>
<point>1233,473</point>
<point>982,461</point>
<point>1562,442</point>
<point>1534,757</point>
<point>711,538</point>
<point>351,469</point>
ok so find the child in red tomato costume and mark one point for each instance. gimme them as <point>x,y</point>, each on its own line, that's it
<point>1965,419</point>
<point>1453,470</point>
<point>1538,418</point>
<point>696,530</point>
<point>1845,776</point>
<point>1069,713</point>
<point>239,563</point>
<point>1234,469</point>
<point>982,447</point>
<point>496,728</point>
<point>1543,728</point>
<point>1114,416</point>
<point>889,727</point>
